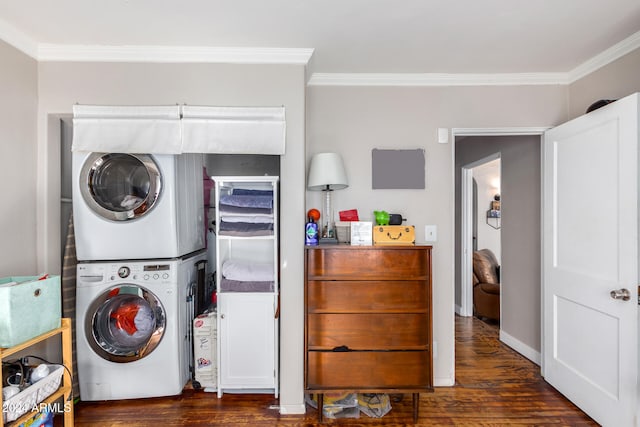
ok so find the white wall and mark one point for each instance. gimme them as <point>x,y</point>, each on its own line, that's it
<point>354,120</point>
<point>487,177</point>
<point>63,84</point>
<point>18,107</point>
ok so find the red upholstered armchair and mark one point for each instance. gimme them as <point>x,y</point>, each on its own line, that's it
<point>486,285</point>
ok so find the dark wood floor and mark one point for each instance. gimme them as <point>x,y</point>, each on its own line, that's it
<point>494,386</point>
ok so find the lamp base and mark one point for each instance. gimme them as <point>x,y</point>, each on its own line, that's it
<point>328,241</point>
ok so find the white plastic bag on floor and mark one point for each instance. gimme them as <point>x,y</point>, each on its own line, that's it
<point>375,405</point>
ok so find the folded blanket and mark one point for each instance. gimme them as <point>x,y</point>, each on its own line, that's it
<point>248,192</point>
<point>245,227</point>
<point>254,219</point>
<point>249,271</point>
<point>237,210</point>
<point>247,201</point>
<point>227,285</point>
<point>256,233</point>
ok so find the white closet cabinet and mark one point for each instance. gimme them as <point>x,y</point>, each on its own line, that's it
<point>247,343</point>
<point>246,224</point>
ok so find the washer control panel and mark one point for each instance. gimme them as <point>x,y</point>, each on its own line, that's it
<point>123,272</point>
<point>154,273</point>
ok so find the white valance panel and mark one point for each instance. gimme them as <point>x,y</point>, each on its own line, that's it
<point>233,130</point>
<point>127,129</point>
<point>179,129</point>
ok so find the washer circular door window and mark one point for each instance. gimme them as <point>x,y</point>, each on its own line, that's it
<point>125,323</point>
<point>120,186</point>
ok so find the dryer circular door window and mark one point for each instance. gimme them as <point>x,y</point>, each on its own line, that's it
<point>120,186</point>
<point>125,323</point>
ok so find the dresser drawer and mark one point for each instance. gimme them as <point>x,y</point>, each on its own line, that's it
<point>367,296</point>
<point>397,263</point>
<point>367,331</point>
<point>368,370</point>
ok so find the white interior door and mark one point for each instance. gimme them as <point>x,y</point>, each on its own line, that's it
<point>590,248</point>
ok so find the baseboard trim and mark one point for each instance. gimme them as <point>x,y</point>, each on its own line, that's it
<point>521,347</point>
<point>444,382</point>
<point>292,409</point>
<point>458,310</point>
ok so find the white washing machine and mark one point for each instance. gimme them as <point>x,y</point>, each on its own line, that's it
<point>133,327</point>
<point>137,206</point>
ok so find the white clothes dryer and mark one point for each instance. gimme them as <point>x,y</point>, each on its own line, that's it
<point>137,206</point>
<point>133,327</point>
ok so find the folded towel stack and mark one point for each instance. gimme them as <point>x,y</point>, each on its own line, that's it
<point>246,213</point>
<point>247,276</point>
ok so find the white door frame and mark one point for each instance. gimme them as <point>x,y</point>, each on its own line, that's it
<point>466,243</point>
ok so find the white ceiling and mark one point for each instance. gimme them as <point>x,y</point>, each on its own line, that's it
<point>347,36</point>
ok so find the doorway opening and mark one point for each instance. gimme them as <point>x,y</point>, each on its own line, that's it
<point>481,222</point>
<point>518,151</point>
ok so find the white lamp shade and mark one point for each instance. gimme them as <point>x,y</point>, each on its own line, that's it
<point>327,169</point>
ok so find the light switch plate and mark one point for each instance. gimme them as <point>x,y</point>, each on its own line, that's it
<point>443,135</point>
<point>431,233</point>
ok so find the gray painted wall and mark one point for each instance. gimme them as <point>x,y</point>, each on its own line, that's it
<point>614,81</point>
<point>354,120</point>
<point>242,164</point>
<point>18,174</point>
<point>520,232</point>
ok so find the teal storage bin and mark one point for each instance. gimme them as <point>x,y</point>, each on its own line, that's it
<point>28,307</point>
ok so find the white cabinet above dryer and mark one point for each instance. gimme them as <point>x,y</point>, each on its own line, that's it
<point>246,226</point>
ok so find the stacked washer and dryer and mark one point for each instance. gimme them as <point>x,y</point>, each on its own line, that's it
<point>140,245</point>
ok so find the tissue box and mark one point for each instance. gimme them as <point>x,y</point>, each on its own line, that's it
<point>360,233</point>
<point>29,307</point>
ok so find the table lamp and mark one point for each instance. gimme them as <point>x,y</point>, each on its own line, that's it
<point>326,173</point>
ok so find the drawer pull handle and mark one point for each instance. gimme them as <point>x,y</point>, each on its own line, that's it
<point>341,348</point>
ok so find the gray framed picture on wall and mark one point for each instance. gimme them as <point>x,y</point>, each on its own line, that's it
<point>397,169</point>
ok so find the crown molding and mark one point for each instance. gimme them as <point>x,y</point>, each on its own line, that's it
<point>606,57</point>
<point>436,79</point>
<point>18,39</point>
<point>300,56</point>
<point>237,55</point>
<point>499,131</point>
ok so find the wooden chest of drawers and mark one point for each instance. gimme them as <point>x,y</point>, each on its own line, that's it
<point>368,320</point>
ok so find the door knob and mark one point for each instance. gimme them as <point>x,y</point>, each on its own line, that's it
<point>622,294</point>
